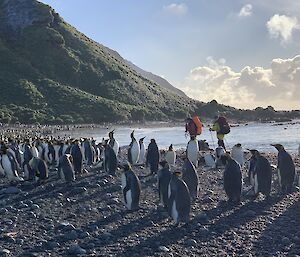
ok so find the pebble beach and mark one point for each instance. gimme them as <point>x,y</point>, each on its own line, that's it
<point>88,218</point>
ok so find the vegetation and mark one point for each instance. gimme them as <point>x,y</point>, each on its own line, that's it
<point>51,73</point>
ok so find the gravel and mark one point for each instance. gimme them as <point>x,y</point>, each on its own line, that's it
<point>88,218</point>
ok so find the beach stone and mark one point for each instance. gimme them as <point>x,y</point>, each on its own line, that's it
<point>3,211</point>
<point>79,190</point>
<point>65,226</point>
<point>4,252</point>
<point>51,245</point>
<point>203,217</point>
<point>191,242</point>
<point>76,249</point>
<point>285,240</point>
<point>163,248</point>
<point>84,234</point>
<point>249,213</point>
<point>72,235</point>
<point>35,207</point>
<point>11,190</point>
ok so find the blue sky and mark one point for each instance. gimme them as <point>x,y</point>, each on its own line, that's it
<point>201,46</point>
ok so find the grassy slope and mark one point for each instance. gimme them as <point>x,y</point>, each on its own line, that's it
<point>53,71</point>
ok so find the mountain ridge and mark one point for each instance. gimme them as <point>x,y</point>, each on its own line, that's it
<point>52,73</point>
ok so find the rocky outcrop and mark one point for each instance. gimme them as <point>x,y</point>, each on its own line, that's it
<point>15,15</point>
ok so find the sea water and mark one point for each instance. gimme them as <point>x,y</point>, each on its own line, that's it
<point>252,136</point>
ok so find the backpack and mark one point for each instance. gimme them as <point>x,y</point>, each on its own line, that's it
<point>224,126</point>
<point>198,125</point>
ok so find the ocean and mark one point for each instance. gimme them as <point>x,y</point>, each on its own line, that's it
<point>252,135</point>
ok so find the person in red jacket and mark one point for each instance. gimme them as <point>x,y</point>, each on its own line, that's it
<point>191,128</point>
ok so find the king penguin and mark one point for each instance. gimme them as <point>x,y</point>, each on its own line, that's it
<point>152,156</point>
<point>142,151</point>
<point>39,167</point>
<point>133,150</point>
<point>131,188</point>
<point>77,156</point>
<point>232,179</point>
<point>170,156</point>
<point>163,179</point>
<point>262,174</point>
<point>237,153</point>
<point>113,142</point>
<point>218,153</point>
<point>286,169</point>
<point>190,177</point>
<point>179,202</point>
<point>9,165</point>
<point>192,151</point>
<point>110,160</point>
<point>65,168</point>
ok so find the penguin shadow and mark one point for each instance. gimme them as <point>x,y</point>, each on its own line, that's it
<point>213,228</point>
<point>285,226</point>
<point>135,223</point>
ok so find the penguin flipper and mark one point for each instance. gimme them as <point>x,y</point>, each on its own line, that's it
<point>129,156</point>
<point>126,189</point>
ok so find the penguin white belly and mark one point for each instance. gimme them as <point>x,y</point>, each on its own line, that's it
<point>116,147</point>
<point>299,180</point>
<point>279,176</point>
<point>127,196</point>
<point>252,179</point>
<point>174,212</point>
<point>34,151</point>
<point>62,175</point>
<point>171,157</point>
<point>142,154</point>
<point>56,150</point>
<point>11,175</point>
<point>2,172</point>
<point>129,199</point>
<point>193,152</point>
<point>82,150</point>
<point>40,150</point>
<point>255,184</point>
<point>135,152</point>
<point>169,190</point>
<point>209,160</point>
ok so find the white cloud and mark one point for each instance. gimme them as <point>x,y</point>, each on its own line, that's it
<point>251,87</point>
<point>176,9</point>
<point>282,26</point>
<point>246,11</point>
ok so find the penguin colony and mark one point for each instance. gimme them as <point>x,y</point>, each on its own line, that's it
<point>32,160</point>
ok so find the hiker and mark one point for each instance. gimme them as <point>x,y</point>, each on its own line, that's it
<point>222,128</point>
<point>193,126</point>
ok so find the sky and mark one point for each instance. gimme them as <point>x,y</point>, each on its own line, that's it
<point>240,53</point>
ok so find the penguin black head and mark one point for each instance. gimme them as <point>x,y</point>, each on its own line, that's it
<point>177,173</point>
<point>171,147</point>
<point>278,146</point>
<point>238,145</point>
<point>126,167</point>
<point>164,163</point>
<point>132,134</point>
<point>111,134</point>
<point>141,140</point>
<point>225,158</point>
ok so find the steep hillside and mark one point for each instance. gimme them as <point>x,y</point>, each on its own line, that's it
<point>157,79</point>
<point>50,72</point>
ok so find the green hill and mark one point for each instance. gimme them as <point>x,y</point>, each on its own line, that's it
<point>50,72</point>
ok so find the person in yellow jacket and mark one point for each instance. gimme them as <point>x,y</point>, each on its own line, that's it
<point>216,127</point>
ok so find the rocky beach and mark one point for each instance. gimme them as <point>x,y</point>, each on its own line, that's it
<point>88,218</point>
